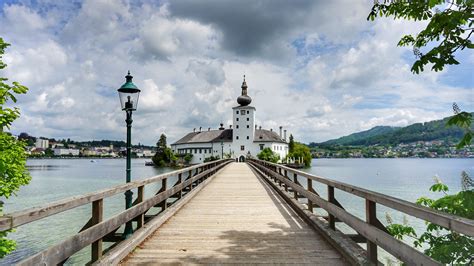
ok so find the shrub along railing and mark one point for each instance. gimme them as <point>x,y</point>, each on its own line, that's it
<point>370,231</point>
<point>96,230</point>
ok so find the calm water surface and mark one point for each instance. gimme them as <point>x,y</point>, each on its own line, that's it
<point>57,179</point>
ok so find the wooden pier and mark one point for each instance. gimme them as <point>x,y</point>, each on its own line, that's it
<point>224,212</point>
<point>237,218</point>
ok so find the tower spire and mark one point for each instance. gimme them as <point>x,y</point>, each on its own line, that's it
<point>244,99</point>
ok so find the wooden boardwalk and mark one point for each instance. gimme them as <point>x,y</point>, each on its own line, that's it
<point>236,218</point>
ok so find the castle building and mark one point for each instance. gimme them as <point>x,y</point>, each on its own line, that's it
<point>243,139</point>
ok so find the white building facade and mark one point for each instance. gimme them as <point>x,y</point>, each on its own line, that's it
<point>66,152</point>
<point>42,143</point>
<point>242,140</point>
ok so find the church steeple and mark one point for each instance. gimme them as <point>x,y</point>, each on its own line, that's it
<point>244,99</point>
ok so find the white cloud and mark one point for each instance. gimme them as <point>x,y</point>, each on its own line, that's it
<point>317,74</point>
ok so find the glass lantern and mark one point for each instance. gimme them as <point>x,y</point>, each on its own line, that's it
<point>129,94</point>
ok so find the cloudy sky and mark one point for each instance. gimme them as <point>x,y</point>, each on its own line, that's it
<point>318,68</point>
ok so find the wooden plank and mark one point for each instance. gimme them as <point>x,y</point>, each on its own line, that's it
<point>11,220</point>
<point>394,246</point>
<point>71,245</point>
<point>350,250</point>
<point>237,218</point>
<point>114,256</point>
<point>452,222</point>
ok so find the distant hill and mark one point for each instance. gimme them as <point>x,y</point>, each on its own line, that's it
<point>428,131</point>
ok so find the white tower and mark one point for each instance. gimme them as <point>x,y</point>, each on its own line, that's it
<point>243,125</point>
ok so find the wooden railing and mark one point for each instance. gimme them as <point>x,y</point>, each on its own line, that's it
<point>370,231</point>
<point>96,230</point>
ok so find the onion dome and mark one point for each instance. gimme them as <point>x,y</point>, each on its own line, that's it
<point>244,99</point>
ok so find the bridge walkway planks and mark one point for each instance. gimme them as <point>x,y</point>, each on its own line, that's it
<point>236,218</point>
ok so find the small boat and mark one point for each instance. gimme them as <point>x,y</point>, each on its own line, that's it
<point>93,161</point>
<point>149,164</point>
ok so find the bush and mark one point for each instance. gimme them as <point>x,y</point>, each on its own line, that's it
<point>188,157</point>
<point>442,244</point>
<point>212,158</point>
<point>268,155</point>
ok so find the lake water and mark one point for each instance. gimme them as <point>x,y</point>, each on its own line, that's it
<point>57,179</point>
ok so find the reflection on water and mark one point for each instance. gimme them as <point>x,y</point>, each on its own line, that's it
<point>43,167</point>
<point>56,179</point>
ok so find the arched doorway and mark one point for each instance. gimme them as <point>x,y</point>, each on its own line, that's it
<point>242,158</point>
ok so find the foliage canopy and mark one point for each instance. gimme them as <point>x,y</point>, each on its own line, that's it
<point>164,155</point>
<point>449,28</point>
<point>440,243</point>
<point>13,172</point>
<point>301,151</point>
<point>268,155</point>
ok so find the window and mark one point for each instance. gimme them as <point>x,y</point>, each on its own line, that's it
<point>261,146</point>
<point>195,151</point>
<point>242,148</point>
<point>205,150</point>
<point>237,126</point>
<point>236,137</point>
<point>248,126</point>
<point>248,137</point>
<point>237,112</point>
<point>248,119</point>
<point>237,119</point>
<point>200,150</point>
<point>243,112</point>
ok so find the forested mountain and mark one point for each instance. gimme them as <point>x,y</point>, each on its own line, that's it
<point>428,131</point>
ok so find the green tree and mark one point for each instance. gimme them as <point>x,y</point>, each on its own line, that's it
<point>442,244</point>
<point>268,155</point>
<point>164,155</point>
<point>13,173</point>
<point>291,144</point>
<point>188,157</point>
<point>449,30</point>
<point>301,151</point>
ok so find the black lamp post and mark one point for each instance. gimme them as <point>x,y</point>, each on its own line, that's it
<point>128,94</point>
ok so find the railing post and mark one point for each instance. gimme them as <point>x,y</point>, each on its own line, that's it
<point>189,177</point>
<point>332,220</point>
<point>310,189</point>
<point>180,180</point>
<point>371,217</point>
<point>286,177</point>
<point>279,171</point>
<point>140,197</point>
<point>295,180</point>
<point>97,217</point>
<point>164,185</point>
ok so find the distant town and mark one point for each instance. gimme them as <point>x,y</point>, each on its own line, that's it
<point>418,149</point>
<point>42,147</point>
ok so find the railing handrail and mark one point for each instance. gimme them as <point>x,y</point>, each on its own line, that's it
<point>452,222</point>
<point>10,220</point>
<point>60,252</point>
